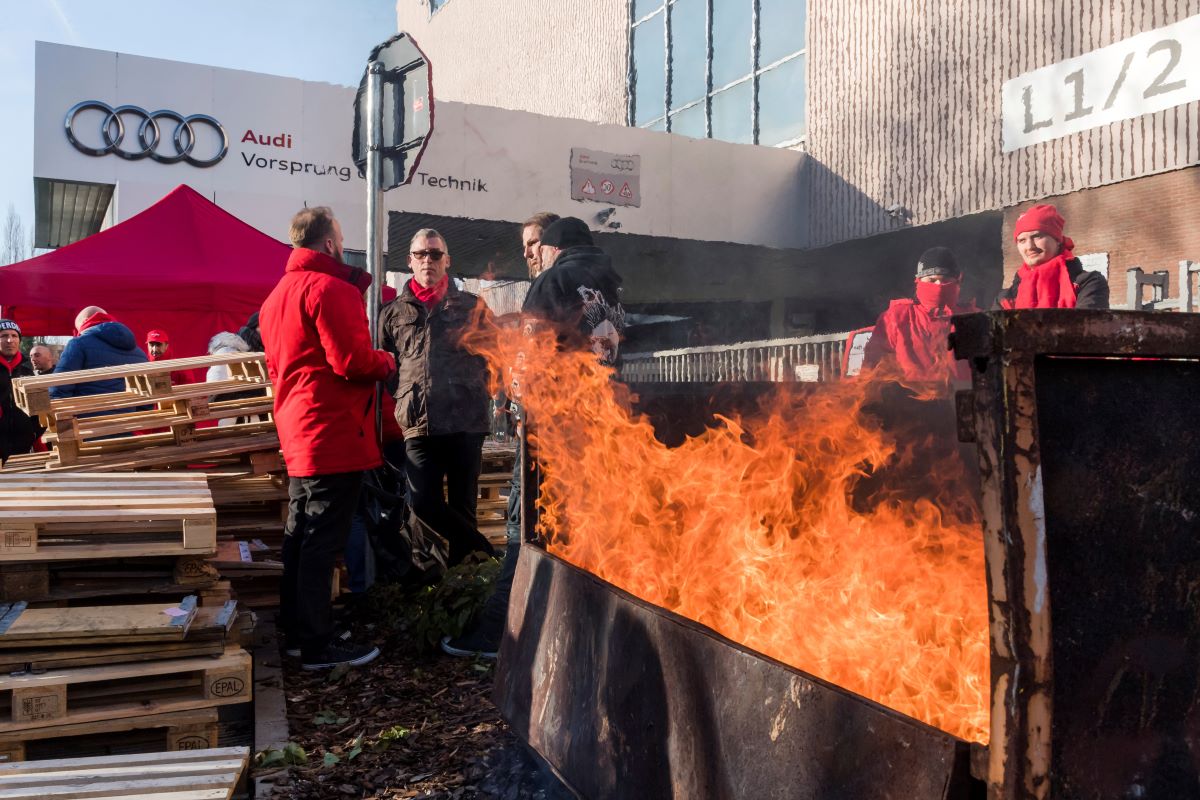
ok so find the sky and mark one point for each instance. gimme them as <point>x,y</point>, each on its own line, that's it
<point>314,40</point>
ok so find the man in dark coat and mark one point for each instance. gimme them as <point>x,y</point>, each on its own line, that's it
<point>441,391</point>
<point>17,430</point>
<point>578,294</point>
<point>323,371</point>
<point>100,341</point>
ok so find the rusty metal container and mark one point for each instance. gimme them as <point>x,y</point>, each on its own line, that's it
<point>1088,433</point>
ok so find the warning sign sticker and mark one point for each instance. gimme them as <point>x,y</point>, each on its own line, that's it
<point>596,176</point>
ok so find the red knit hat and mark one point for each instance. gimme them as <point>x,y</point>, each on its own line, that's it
<point>157,336</point>
<point>1044,218</point>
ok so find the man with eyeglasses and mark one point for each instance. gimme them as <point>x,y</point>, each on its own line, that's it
<point>913,331</point>
<point>441,391</point>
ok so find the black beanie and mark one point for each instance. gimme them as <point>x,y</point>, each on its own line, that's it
<point>567,232</point>
<point>938,261</point>
<point>9,325</point>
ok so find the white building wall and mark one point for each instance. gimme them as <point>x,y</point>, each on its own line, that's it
<point>481,163</point>
<point>562,58</point>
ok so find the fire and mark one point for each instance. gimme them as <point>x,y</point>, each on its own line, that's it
<point>774,529</point>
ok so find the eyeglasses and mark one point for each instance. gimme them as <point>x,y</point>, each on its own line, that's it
<point>432,255</point>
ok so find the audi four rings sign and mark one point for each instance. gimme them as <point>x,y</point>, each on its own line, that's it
<point>150,139</point>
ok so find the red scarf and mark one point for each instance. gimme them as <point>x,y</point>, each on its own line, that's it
<point>95,319</point>
<point>1047,285</point>
<point>11,364</point>
<point>433,295</point>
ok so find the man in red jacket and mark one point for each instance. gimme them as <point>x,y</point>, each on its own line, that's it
<point>322,367</point>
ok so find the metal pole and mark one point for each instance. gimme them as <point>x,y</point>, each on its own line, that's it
<point>374,194</point>
<point>375,216</point>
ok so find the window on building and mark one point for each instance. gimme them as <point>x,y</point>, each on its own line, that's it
<point>434,5</point>
<point>723,69</point>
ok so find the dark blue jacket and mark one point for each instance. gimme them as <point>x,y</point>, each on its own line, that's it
<point>108,344</point>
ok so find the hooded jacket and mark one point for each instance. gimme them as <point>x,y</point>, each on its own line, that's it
<point>18,430</point>
<point>322,366</point>
<point>580,297</point>
<point>108,344</point>
<point>440,388</point>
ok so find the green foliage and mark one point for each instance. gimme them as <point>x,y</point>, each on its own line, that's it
<point>430,612</point>
<point>327,717</point>
<point>291,753</point>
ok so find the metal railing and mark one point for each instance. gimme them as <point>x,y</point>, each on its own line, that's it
<point>807,359</point>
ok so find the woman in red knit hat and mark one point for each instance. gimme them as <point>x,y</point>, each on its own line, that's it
<point>1051,277</point>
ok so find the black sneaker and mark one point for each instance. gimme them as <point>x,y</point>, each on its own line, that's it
<point>293,650</point>
<point>472,644</point>
<point>341,651</point>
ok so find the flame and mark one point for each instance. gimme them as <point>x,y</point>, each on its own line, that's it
<point>773,529</point>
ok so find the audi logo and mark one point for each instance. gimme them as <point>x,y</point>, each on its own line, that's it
<point>622,164</point>
<point>148,141</point>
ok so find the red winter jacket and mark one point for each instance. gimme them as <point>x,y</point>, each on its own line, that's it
<point>918,341</point>
<point>319,356</point>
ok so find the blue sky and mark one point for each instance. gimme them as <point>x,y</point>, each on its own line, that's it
<point>317,40</point>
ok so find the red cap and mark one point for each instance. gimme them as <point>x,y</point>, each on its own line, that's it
<point>1044,218</point>
<point>158,336</point>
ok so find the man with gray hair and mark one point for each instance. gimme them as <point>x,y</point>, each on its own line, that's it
<point>441,393</point>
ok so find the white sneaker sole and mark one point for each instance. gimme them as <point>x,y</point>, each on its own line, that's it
<point>357,662</point>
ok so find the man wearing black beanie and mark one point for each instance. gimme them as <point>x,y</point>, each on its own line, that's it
<point>913,331</point>
<point>578,295</point>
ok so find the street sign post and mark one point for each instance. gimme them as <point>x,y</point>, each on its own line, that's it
<point>393,120</point>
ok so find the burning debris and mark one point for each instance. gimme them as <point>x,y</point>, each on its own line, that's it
<point>808,530</point>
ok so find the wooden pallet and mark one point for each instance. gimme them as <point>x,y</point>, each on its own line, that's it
<point>194,775</point>
<point>211,629</point>
<point>93,694</point>
<point>56,517</point>
<point>196,729</point>
<point>66,582</point>
<point>255,446</point>
<point>24,627</point>
<point>143,382</point>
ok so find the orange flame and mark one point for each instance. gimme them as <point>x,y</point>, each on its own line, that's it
<point>759,529</point>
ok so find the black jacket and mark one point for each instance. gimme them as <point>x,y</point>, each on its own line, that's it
<point>439,387</point>
<point>17,430</point>
<point>1091,289</point>
<point>580,296</point>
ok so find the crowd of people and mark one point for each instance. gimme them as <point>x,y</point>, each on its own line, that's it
<point>436,405</point>
<point>913,331</point>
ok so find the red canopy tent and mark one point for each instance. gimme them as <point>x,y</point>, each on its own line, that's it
<point>184,265</point>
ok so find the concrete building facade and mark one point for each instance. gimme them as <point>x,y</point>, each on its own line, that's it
<point>913,113</point>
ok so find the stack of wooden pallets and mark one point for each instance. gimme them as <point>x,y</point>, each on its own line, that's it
<point>210,774</point>
<point>81,671</point>
<point>68,536</point>
<point>151,423</point>
<point>494,481</point>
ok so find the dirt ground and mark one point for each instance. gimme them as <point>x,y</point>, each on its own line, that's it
<point>414,723</point>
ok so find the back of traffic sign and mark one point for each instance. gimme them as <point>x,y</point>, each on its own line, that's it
<point>405,106</point>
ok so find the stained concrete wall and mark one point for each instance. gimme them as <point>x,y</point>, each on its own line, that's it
<point>563,58</point>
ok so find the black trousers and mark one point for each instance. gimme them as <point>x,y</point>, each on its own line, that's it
<point>320,510</point>
<point>452,459</point>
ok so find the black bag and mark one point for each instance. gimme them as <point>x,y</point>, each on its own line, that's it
<point>404,552</point>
